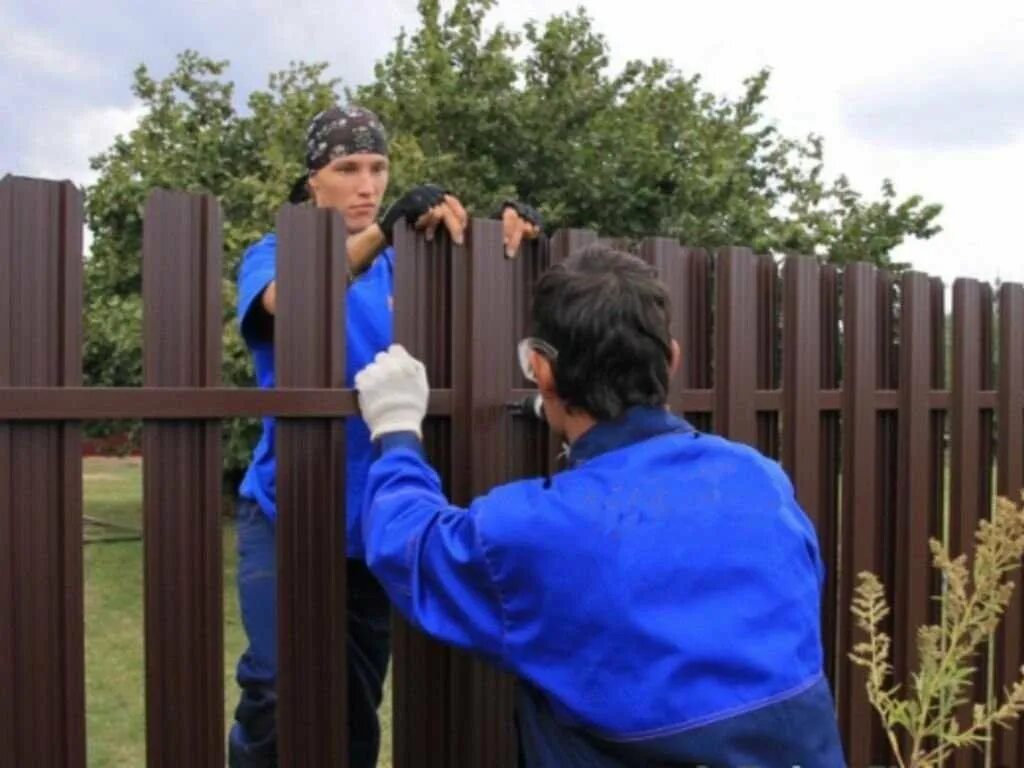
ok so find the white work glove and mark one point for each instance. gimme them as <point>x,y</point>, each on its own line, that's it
<point>393,393</point>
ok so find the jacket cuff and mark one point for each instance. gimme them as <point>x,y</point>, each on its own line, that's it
<point>394,440</point>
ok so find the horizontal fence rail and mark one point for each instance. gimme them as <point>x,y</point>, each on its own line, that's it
<point>97,403</point>
<point>175,403</point>
<point>896,418</point>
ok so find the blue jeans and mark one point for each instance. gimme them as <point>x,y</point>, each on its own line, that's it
<point>252,742</point>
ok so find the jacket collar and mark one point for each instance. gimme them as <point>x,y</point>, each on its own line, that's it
<point>634,425</point>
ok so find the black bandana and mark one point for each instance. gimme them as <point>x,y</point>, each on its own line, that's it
<point>337,132</point>
<point>341,131</point>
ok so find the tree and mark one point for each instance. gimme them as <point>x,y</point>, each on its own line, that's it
<point>192,138</point>
<point>641,152</point>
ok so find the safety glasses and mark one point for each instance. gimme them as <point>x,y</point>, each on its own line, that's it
<point>531,343</point>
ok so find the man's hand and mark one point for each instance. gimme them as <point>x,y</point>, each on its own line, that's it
<point>410,207</point>
<point>425,207</point>
<point>393,392</point>
<point>451,213</point>
<point>519,222</point>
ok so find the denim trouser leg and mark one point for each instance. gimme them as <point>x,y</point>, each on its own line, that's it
<point>253,739</point>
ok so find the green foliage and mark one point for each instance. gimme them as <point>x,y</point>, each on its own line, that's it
<point>646,151</point>
<point>973,601</point>
<point>192,138</point>
<point>536,114</point>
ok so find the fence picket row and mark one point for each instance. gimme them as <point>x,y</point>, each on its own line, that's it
<point>841,374</point>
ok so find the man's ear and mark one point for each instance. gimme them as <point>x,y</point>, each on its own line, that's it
<point>677,358</point>
<point>313,184</point>
<point>545,374</point>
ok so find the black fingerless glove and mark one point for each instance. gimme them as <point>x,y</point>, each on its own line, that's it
<point>410,206</point>
<point>526,212</point>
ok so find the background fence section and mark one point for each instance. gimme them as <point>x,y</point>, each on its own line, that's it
<point>42,675</point>
<point>181,257</point>
<point>895,419</point>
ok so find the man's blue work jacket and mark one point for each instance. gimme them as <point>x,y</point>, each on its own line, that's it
<point>368,330</point>
<point>659,600</point>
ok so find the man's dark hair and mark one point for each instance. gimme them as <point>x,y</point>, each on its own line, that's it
<point>607,314</point>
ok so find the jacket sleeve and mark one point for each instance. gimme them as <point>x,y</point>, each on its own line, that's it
<point>254,275</point>
<point>428,554</point>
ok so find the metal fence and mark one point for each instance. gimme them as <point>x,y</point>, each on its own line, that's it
<point>844,375</point>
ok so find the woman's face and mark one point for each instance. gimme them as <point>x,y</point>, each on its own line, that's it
<point>353,185</point>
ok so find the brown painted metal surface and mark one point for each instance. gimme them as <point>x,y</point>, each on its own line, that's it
<point>423,324</point>
<point>768,334</point>
<point>804,438</point>
<point>831,467</point>
<point>42,697</point>
<point>451,709</point>
<point>177,403</point>
<point>919,505</point>
<point>673,265</point>
<point>309,351</point>
<point>861,532</point>
<point>182,328</point>
<point>1008,747</point>
<point>967,468</point>
<point>850,389</point>
<point>530,444</point>
<point>736,313</point>
<point>564,243</point>
<point>482,697</point>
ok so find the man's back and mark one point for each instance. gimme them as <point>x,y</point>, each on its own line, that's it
<point>660,600</point>
<point>665,592</point>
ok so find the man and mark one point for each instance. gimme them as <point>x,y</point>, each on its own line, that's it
<point>659,599</point>
<point>347,170</point>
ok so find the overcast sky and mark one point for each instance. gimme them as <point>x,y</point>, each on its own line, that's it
<point>933,99</point>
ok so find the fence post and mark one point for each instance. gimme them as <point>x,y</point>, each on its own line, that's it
<point>182,328</point>
<point>918,513</point>
<point>804,451</point>
<point>309,351</point>
<point>801,383</point>
<point>454,308</point>
<point>564,243</point>
<point>969,475</point>
<point>767,333</point>
<point>673,263</point>
<point>42,678</point>
<point>831,460</point>
<point>529,438</point>
<point>483,358</point>
<point>1007,746</point>
<point>419,671</point>
<point>698,342</point>
<point>861,524</point>
<point>969,500</point>
<point>736,314</point>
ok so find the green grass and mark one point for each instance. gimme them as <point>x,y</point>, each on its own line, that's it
<point>115,708</point>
